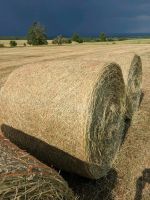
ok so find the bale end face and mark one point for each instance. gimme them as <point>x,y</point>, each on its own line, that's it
<point>106,122</point>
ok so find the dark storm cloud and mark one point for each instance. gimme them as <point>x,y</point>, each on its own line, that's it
<point>68,16</point>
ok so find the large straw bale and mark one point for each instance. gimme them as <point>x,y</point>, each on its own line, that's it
<point>24,177</point>
<point>68,113</point>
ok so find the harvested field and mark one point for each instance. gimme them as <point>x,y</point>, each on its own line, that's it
<point>12,58</point>
<point>129,177</point>
<point>24,177</point>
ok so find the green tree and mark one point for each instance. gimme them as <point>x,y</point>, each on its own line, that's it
<point>37,35</point>
<point>77,38</point>
<point>103,37</point>
<point>13,43</point>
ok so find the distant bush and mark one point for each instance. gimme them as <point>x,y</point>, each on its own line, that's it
<point>13,43</point>
<point>58,40</point>
<point>77,38</point>
<point>61,40</point>
<point>2,45</point>
<point>66,41</point>
<point>103,37</point>
<point>24,44</point>
<point>80,40</point>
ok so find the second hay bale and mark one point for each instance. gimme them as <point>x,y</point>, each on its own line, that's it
<point>71,113</point>
<point>24,177</point>
<point>131,66</point>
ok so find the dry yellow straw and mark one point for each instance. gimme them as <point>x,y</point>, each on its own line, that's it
<point>24,177</point>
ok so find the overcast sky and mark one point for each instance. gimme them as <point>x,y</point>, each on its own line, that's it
<point>87,17</point>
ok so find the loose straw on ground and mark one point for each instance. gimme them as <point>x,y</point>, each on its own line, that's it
<point>67,113</point>
<point>24,177</point>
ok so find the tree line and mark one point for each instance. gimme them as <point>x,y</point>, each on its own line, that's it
<point>37,36</point>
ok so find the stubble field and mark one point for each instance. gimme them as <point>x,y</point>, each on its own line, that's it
<point>130,175</point>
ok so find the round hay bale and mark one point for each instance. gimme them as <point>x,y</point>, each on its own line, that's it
<point>134,84</point>
<point>24,177</point>
<point>69,113</point>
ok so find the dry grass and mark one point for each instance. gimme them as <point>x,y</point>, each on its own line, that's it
<point>128,174</point>
<point>12,58</point>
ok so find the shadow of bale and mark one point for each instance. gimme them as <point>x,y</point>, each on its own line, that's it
<point>44,152</point>
<point>22,177</point>
<point>86,189</point>
<point>140,184</point>
<point>141,98</point>
<point>126,128</point>
<point>128,121</point>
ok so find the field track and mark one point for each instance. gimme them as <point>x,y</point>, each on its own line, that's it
<point>12,58</point>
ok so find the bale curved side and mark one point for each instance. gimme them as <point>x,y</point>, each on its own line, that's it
<point>24,177</point>
<point>75,111</point>
<point>134,86</point>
